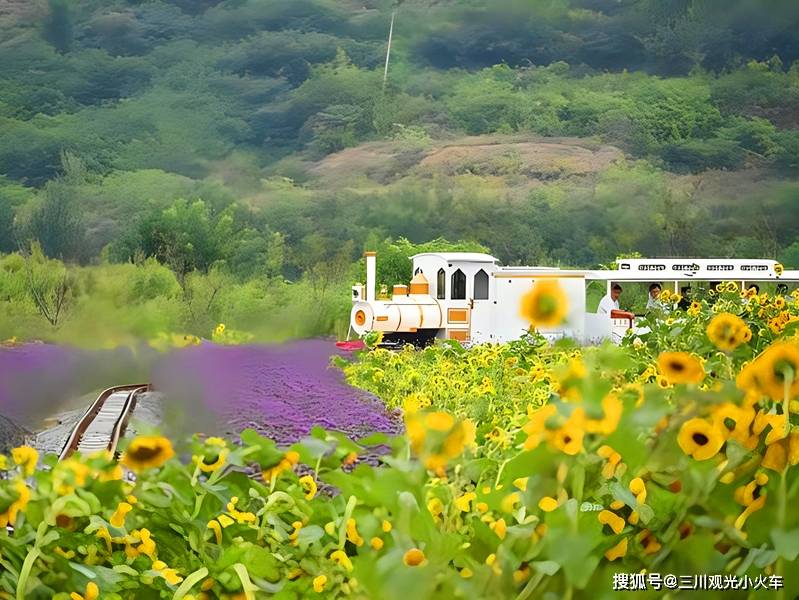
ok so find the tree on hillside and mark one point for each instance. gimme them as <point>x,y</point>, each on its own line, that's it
<point>56,221</point>
<point>58,29</point>
<point>186,237</point>
<point>49,284</point>
<point>6,227</point>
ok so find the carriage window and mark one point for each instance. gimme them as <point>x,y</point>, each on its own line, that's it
<point>481,285</point>
<point>458,285</point>
<point>441,285</point>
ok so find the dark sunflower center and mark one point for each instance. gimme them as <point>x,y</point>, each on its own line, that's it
<point>567,439</point>
<point>700,439</point>
<point>209,460</point>
<point>729,423</point>
<point>63,521</point>
<point>547,305</point>
<point>677,366</point>
<point>144,453</point>
<point>784,369</point>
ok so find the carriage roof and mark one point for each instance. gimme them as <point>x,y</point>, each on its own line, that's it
<point>478,257</point>
<point>700,269</point>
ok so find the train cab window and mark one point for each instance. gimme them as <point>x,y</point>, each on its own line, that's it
<point>481,285</point>
<point>458,285</point>
<point>441,285</point>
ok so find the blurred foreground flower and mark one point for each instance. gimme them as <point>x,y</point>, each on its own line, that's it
<point>546,305</point>
<point>680,367</point>
<point>145,452</point>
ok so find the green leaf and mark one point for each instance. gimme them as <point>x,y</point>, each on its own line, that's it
<point>786,543</point>
<point>526,463</point>
<point>547,567</point>
<point>314,448</point>
<point>261,563</point>
<point>646,513</point>
<point>310,534</point>
<point>578,481</point>
<point>623,494</point>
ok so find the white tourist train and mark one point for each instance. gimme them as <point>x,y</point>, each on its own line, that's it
<point>469,297</point>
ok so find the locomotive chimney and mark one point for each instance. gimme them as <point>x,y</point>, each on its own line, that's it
<point>371,275</point>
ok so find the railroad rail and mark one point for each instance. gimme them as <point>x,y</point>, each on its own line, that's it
<point>105,421</point>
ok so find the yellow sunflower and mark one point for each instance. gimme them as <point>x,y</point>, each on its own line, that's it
<point>680,367</point>
<point>612,520</point>
<point>618,551</point>
<point>536,424</point>
<point>146,451</point>
<point>778,424</point>
<point>569,438</point>
<point>23,496</point>
<point>734,421</point>
<point>728,331</point>
<point>546,305</point>
<point>612,408</point>
<point>26,457</point>
<point>213,456</point>
<point>778,371</point>
<point>700,438</point>
<point>776,456</point>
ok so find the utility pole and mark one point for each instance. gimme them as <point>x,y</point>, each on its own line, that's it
<point>388,48</point>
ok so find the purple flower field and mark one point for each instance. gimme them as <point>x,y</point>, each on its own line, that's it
<point>36,379</point>
<point>281,391</point>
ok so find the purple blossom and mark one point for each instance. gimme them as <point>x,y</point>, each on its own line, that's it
<point>281,391</point>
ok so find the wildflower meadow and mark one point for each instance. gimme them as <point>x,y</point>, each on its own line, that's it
<point>526,470</point>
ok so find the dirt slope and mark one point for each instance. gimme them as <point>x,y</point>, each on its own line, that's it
<point>524,160</point>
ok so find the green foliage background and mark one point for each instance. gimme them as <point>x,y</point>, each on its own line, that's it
<point>204,136</point>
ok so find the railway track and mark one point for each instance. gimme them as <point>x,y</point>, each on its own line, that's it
<point>104,422</point>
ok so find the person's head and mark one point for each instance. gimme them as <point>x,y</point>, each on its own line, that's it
<point>654,291</point>
<point>782,289</point>
<point>755,287</point>
<point>685,291</point>
<point>615,291</point>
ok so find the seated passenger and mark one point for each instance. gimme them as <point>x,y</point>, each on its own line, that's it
<point>685,302</point>
<point>653,302</point>
<point>610,301</point>
<point>782,290</point>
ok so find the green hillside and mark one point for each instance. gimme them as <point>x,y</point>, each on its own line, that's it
<point>257,140</point>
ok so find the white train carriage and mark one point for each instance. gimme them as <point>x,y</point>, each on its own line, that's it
<point>469,297</point>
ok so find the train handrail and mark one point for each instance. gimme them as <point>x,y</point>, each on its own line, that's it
<point>83,424</point>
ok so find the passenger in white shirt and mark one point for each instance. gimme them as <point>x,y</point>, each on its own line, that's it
<point>653,302</point>
<point>610,301</point>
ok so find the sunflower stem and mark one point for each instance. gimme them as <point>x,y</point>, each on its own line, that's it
<point>530,587</point>
<point>189,583</point>
<point>499,473</point>
<point>30,559</point>
<point>781,504</point>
